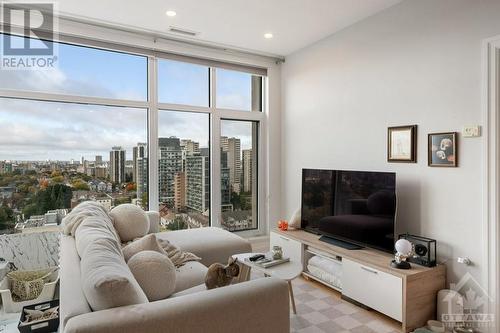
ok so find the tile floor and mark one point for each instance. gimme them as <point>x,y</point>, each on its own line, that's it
<point>320,309</point>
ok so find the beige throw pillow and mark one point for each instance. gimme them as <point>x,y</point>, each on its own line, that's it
<point>146,243</point>
<point>130,221</point>
<point>155,273</point>
<point>107,280</point>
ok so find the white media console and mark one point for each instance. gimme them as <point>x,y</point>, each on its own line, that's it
<point>408,296</point>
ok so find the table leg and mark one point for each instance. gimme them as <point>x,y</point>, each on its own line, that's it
<point>292,299</point>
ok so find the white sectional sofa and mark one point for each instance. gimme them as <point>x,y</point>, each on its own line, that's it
<point>260,305</point>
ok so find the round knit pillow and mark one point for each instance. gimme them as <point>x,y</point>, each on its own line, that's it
<point>130,222</point>
<point>154,272</point>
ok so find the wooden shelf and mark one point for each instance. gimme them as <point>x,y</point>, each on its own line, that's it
<point>419,285</point>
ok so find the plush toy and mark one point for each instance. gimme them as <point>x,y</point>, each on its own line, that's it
<point>219,275</point>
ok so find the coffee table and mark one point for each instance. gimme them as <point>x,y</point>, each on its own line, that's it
<point>286,271</point>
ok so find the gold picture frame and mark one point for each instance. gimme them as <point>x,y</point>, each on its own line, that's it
<point>402,144</point>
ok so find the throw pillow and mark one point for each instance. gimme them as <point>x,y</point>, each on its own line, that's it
<point>107,282</point>
<point>146,243</point>
<point>130,221</point>
<point>155,273</point>
<point>295,220</point>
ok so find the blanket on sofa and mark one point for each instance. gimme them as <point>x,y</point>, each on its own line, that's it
<point>86,209</point>
<point>176,255</point>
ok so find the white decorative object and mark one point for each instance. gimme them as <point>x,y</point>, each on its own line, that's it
<point>47,294</point>
<point>295,219</point>
<point>404,249</point>
<point>155,273</point>
<point>130,221</point>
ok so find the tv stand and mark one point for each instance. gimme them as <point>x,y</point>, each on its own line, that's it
<point>340,243</point>
<point>366,277</point>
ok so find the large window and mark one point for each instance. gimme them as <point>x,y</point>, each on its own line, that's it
<point>141,128</point>
<point>55,155</point>
<point>184,169</point>
<point>239,174</point>
<point>84,71</point>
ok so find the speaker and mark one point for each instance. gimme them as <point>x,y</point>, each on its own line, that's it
<point>424,250</point>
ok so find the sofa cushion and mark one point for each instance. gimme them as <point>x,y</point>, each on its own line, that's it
<point>154,272</point>
<point>130,221</point>
<point>192,290</point>
<point>210,244</point>
<point>189,275</point>
<point>146,243</point>
<point>107,280</point>
<point>73,301</point>
<point>93,228</point>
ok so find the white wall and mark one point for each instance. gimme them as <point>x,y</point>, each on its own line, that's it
<point>416,63</point>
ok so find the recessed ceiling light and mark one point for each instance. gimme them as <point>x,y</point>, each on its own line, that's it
<point>171,13</point>
<point>268,35</point>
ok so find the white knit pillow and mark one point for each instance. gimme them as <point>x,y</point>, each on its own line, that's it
<point>107,282</point>
<point>130,221</point>
<point>146,243</point>
<point>155,273</point>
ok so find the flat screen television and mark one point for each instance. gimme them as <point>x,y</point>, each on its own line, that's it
<point>352,209</point>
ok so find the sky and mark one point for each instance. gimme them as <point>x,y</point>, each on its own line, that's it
<point>39,131</point>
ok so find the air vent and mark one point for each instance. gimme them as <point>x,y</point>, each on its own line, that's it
<point>183,31</point>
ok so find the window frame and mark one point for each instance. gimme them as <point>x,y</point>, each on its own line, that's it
<point>153,107</point>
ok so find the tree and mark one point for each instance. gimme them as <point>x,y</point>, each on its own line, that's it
<point>57,179</point>
<point>131,187</point>
<point>177,224</point>
<point>80,185</point>
<point>145,200</point>
<point>53,197</point>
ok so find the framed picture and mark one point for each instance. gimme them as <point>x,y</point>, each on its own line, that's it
<point>402,144</point>
<point>442,149</point>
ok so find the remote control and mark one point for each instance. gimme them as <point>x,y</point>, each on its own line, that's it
<point>256,257</point>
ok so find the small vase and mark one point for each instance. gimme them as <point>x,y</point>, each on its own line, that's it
<point>277,252</point>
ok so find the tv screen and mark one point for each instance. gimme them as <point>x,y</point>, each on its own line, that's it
<point>358,207</point>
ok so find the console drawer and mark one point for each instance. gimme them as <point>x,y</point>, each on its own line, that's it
<point>371,287</point>
<point>291,248</point>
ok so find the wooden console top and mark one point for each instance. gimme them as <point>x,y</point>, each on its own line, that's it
<point>370,257</point>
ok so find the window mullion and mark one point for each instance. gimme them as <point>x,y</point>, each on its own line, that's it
<point>153,134</point>
<point>215,154</point>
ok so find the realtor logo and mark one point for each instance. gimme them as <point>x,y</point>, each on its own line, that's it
<point>468,306</point>
<point>28,31</point>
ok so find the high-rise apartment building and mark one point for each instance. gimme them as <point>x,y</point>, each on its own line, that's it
<point>225,184</point>
<point>98,160</point>
<point>234,163</point>
<point>179,191</point>
<point>190,146</point>
<point>140,174</point>
<point>247,170</point>
<point>198,181</point>
<point>170,163</point>
<point>117,165</point>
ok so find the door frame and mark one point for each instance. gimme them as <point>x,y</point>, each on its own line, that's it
<point>491,174</point>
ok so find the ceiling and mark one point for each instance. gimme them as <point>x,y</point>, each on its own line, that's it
<point>239,24</point>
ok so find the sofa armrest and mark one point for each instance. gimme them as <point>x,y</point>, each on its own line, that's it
<point>255,306</point>
<point>154,221</point>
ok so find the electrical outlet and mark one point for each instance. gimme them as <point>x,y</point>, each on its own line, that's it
<point>471,131</point>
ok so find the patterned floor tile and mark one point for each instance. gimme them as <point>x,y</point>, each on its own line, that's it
<point>318,305</point>
<point>347,322</point>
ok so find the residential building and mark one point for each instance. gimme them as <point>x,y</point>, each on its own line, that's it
<point>247,170</point>
<point>198,181</point>
<point>169,164</point>
<point>179,191</point>
<point>117,165</point>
